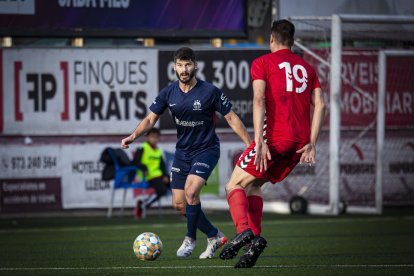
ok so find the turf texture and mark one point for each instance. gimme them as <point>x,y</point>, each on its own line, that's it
<point>297,245</point>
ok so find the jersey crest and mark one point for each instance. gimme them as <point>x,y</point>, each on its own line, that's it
<point>197,105</point>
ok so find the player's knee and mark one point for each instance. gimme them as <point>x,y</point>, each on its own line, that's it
<point>254,190</point>
<point>192,197</point>
<point>180,207</point>
<point>230,187</point>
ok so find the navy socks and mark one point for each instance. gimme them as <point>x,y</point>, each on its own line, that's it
<point>205,225</point>
<point>197,219</point>
<point>193,214</point>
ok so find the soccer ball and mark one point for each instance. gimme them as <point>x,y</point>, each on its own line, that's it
<point>147,246</point>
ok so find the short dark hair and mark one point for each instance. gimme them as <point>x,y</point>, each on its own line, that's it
<point>284,32</point>
<point>154,130</point>
<point>184,53</point>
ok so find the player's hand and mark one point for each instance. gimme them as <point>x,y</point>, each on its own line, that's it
<point>308,154</point>
<point>126,141</point>
<point>262,155</point>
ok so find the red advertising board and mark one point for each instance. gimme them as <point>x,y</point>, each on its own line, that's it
<point>34,194</point>
<point>360,87</point>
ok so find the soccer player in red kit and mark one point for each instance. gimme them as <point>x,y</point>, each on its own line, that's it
<point>284,88</point>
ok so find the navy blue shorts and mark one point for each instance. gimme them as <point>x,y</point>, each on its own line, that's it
<point>201,164</point>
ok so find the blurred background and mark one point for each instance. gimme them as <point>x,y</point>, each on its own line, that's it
<point>77,76</point>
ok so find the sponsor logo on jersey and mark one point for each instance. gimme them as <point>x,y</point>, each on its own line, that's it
<point>224,100</point>
<point>171,104</point>
<point>188,123</point>
<point>197,171</point>
<point>174,169</point>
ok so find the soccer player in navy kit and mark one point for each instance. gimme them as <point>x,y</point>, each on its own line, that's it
<point>193,104</point>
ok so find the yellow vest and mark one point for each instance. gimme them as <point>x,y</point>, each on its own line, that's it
<point>152,159</point>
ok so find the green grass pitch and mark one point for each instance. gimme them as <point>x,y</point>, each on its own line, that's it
<point>298,245</point>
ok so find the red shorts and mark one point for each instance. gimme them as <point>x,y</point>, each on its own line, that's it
<point>284,160</point>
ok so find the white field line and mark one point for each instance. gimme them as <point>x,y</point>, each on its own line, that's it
<point>207,267</point>
<point>182,224</point>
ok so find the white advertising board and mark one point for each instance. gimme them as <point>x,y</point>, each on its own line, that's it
<point>30,178</point>
<point>30,161</point>
<point>77,91</point>
<point>82,184</point>
<point>34,176</point>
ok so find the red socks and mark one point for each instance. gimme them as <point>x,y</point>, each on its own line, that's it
<point>255,214</point>
<point>246,212</point>
<point>238,209</point>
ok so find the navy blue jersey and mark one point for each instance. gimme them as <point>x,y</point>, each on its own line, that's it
<point>194,114</point>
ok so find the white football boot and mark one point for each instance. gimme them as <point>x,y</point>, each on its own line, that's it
<point>213,244</point>
<point>186,248</point>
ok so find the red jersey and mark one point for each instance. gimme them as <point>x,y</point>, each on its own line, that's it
<point>289,84</point>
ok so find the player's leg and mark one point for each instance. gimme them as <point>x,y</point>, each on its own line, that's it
<point>244,174</point>
<point>203,224</point>
<point>179,203</point>
<point>255,210</point>
<point>192,190</point>
<point>187,202</point>
<point>215,238</point>
<point>237,199</point>
<point>253,250</point>
<point>179,173</point>
<point>202,167</point>
<point>284,159</point>
<point>178,200</point>
<point>192,212</point>
<point>239,206</point>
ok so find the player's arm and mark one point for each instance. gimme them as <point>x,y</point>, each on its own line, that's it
<point>318,114</point>
<point>309,150</point>
<point>238,127</point>
<point>146,124</point>
<point>262,151</point>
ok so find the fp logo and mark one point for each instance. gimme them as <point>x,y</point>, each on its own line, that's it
<point>42,87</point>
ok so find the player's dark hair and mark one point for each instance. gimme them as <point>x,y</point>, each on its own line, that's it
<point>284,32</point>
<point>184,53</point>
<point>154,130</point>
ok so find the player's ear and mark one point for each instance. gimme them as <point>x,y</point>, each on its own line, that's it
<point>195,65</point>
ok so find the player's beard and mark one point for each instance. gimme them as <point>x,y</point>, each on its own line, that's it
<point>190,76</point>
